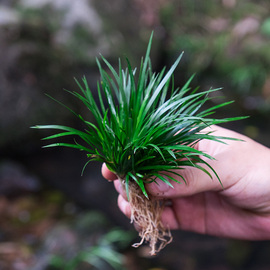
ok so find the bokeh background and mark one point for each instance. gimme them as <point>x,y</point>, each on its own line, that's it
<point>51,217</point>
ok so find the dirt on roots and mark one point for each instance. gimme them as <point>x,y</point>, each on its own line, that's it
<point>146,214</point>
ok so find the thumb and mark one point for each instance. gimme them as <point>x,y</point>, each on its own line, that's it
<point>196,181</point>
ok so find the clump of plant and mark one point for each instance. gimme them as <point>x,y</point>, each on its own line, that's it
<point>144,130</point>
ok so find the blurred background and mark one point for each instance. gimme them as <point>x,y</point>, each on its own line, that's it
<point>51,217</point>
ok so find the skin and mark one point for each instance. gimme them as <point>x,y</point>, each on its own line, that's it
<point>240,209</point>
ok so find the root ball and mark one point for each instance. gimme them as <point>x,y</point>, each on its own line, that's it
<point>146,214</point>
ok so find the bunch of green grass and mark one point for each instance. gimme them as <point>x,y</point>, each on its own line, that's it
<point>144,129</point>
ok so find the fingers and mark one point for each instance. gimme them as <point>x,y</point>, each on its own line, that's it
<point>119,188</point>
<point>196,181</point>
<point>122,198</point>
<point>107,173</point>
<point>124,206</point>
<point>168,218</point>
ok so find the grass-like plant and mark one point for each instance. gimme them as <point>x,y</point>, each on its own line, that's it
<point>144,129</point>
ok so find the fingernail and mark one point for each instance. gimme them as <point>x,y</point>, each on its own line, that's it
<point>158,187</point>
<point>162,186</point>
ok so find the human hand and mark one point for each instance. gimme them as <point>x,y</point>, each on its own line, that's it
<point>239,209</point>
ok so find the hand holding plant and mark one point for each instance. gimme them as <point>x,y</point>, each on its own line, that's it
<point>241,209</point>
<point>145,129</point>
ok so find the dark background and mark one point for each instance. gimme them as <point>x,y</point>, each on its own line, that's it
<point>51,217</point>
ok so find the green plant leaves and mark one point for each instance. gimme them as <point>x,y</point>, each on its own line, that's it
<point>144,128</point>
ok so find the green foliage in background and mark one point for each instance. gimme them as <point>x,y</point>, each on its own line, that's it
<point>227,43</point>
<point>98,256</point>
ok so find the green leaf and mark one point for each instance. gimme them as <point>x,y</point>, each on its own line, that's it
<point>162,178</point>
<point>141,124</point>
<point>140,183</point>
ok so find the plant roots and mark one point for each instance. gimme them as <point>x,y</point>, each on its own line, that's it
<point>146,214</point>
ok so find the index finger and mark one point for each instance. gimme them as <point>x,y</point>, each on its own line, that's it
<point>107,173</point>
